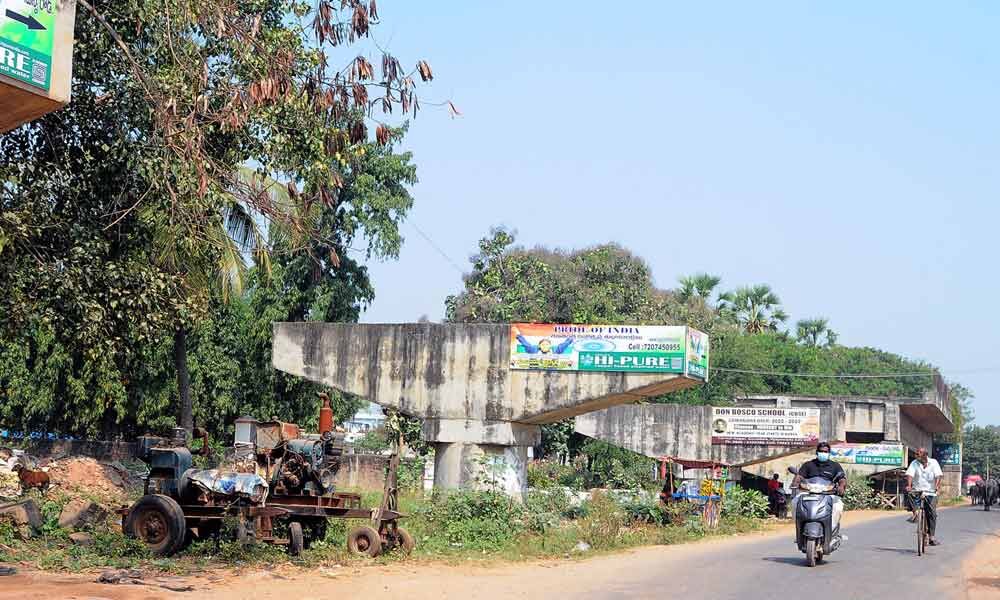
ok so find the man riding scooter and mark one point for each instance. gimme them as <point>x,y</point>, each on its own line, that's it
<point>818,510</point>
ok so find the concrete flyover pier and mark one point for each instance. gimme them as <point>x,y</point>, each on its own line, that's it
<point>480,414</point>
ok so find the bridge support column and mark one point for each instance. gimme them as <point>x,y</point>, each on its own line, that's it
<point>475,454</point>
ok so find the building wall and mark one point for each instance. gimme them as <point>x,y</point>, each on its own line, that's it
<point>913,436</point>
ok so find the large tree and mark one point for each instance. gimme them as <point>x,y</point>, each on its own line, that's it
<point>111,208</point>
<point>608,284</point>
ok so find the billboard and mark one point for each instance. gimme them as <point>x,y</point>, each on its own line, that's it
<point>890,455</point>
<point>629,348</point>
<point>947,454</point>
<point>27,33</point>
<point>765,426</point>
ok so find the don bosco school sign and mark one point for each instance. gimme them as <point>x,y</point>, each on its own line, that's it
<point>765,426</point>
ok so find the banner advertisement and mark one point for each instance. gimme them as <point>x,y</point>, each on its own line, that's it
<point>890,455</point>
<point>27,32</point>
<point>947,454</point>
<point>765,426</point>
<point>629,348</point>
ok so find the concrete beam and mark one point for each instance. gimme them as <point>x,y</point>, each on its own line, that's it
<point>451,371</point>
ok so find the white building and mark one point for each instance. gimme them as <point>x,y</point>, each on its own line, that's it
<point>368,418</point>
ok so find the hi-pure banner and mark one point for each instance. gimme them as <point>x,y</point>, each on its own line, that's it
<point>630,348</point>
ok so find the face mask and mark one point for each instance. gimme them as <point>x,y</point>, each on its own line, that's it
<point>822,456</point>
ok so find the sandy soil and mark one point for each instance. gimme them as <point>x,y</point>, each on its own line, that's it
<point>409,581</point>
<point>982,570</point>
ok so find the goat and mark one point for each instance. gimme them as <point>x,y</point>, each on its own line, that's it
<point>32,479</point>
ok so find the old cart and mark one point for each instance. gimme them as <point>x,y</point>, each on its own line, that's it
<point>281,492</point>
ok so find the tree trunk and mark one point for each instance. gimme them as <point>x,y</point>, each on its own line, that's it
<point>185,417</point>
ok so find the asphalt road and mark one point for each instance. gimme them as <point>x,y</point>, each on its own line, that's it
<point>878,561</point>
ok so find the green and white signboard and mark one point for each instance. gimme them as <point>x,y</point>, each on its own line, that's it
<point>629,348</point>
<point>27,33</point>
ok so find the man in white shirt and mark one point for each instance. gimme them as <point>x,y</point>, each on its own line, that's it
<point>924,475</point>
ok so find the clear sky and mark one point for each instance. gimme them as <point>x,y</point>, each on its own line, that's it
<point>845,153</point>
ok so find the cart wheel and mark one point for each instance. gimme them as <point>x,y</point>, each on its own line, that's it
<point>364,540</point>
<point>295,538</point>
<point>159,522</point>
<point>405,541</point>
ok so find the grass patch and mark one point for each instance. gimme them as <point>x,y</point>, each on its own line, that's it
<point>451,527</point>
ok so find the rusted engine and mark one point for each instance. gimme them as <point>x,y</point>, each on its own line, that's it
<point>292,462</point>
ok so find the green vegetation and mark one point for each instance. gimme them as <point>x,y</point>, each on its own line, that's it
<point>152,230</point>
<point>456,526</point>
<point>609,284</point>
<point>859,494</point>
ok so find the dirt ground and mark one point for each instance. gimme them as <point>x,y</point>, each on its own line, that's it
<point>982,570</point>
<point>409,581</point>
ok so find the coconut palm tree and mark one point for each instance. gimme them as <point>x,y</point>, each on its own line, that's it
<point>755,308</point>
<point>217,264</point>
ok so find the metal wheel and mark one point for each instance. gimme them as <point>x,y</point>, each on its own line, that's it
<point>159,522</point>
<point>811,552</point>
<point>364,540</point>
<point>405,541</point>
<point>295,538</point>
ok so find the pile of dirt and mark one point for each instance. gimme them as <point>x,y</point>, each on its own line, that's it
<point>109,484</point>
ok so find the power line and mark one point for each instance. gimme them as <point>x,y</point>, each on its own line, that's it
<point>435,246</point>
<point>826,375</point>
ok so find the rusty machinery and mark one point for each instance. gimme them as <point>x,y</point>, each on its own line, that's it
<point>280,475</point>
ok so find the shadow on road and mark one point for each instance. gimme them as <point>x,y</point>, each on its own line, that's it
<point>896,550</point>
<point>787,560</point>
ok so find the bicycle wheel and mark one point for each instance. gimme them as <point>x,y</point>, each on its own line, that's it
<point>920,532</point>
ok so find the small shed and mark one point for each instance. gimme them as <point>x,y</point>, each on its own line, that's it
<point>890,487</point>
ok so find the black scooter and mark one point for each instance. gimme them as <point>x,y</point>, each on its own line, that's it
<point>815,534</point>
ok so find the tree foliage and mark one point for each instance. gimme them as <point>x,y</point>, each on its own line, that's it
<point>755,308</point>
<point>608,284</point>
<point>214,173</point>
<point>815,332</point>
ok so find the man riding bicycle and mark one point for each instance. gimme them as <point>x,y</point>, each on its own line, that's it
<point>924,475</point>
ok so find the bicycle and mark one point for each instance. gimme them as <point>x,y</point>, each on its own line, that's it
<point>923,533</point>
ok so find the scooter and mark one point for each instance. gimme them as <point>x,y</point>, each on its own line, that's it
<point>815,533</point>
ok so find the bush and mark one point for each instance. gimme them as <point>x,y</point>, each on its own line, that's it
<point>411,474</point>
<point>546,474</point>
<point>645,511</point>
<point>741,502</point>
<point>544,509</point>
<point>374,441</point>
<point>614,467</point>
<point>859,494</point>
<point>604,524</point>
<point>476,519</point>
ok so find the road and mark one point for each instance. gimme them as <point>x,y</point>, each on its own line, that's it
<point>878,561</point>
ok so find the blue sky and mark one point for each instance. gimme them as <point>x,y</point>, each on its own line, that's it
<point>844,153</point>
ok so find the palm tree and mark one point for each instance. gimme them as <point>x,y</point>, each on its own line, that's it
<point>809,332</point>
<point>755,308</point>
<point>699,285</point>
<point>217,265</point>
